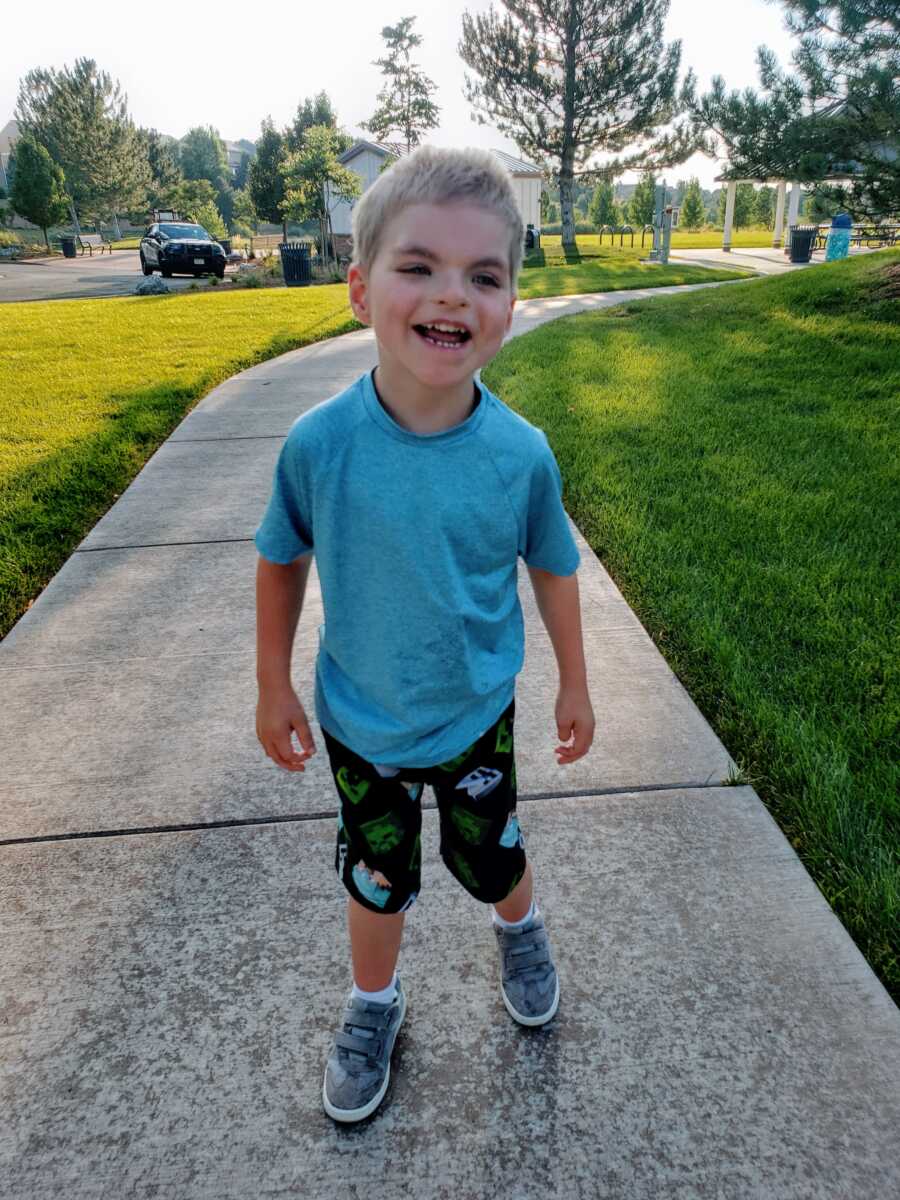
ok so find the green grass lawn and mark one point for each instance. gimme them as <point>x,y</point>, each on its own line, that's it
<point>90,388</point>
<point>731,456</point>
<point>681,240</point>
<point>551,273</point>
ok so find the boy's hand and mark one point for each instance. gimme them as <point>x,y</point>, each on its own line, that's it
<point>574,723</point>
<point>278,716</point>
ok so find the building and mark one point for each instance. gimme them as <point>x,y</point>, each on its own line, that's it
<point>367,160</point>
<point>8,135</point>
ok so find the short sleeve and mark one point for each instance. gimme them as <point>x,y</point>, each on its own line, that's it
<point>285,531</point>
<point>546,539</point>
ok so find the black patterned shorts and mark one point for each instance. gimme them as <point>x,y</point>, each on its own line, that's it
<point>379,842</point>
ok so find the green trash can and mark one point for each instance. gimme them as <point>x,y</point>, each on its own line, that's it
<point>295,264</point>
<point>68,246</point>
<point>802,240</point>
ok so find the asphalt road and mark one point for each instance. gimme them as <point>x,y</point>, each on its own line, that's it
<point>115,274</point>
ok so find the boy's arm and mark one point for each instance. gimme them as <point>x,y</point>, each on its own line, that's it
<point>279,600</point>
<point>557,601</point>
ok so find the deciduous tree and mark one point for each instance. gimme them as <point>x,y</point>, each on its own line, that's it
<point>692,211</point>
<point>38,191</point>
<point>265,178</point>
<point>312,176</point>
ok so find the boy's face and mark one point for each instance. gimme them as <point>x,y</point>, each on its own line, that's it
<point>444,265</point>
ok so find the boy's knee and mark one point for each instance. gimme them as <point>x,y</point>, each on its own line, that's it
<point>491,880</point>
<point>373,889</point>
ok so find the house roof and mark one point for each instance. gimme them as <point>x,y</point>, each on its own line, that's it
<point>515,166</point>
<point>8,134</point>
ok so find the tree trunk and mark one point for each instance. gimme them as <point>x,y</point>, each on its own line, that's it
<point>75,219</point>
<point>284,229</point>
<point>566,181</point>
<point>46,239</point>
<point>567,158</point>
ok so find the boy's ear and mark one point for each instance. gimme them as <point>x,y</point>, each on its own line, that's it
<point>358,288</point>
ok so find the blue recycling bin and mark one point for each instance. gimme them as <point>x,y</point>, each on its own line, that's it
<point>837,242</point>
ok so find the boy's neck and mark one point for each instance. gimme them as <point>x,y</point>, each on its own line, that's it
<point>420,409</point>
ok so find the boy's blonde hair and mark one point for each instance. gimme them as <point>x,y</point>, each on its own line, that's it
<point>434,175</point>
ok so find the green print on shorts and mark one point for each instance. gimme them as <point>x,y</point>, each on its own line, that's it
<point>504,737</point>
<point>383,834</point>
<point>473,829</point>
<point>416,861</point>
<point>512,779</point>
<point>465,871</point>
<point>352,785</point>
<point>453,763</point>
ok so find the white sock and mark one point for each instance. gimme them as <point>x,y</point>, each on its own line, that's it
<point>385,996</point>
<point>534,911</point>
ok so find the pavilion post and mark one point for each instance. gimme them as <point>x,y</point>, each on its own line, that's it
<point>729,214</point>
<point>779,214</point>
<point>794,209</point>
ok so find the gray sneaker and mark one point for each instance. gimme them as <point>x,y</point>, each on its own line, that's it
<point>359,1066</point>
<point>528,980</point>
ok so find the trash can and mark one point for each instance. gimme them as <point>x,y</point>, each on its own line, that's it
<point>295,263</point>
<point>837,243</point>
<point>802,239</point>
<point>68,246</point>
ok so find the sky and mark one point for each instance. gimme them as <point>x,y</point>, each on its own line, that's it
<point>270,59</point>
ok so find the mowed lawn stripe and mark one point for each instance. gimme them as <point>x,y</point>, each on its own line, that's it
<point>731,456</point>
<point>90,388</point>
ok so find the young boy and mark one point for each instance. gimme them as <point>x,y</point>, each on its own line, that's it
<point>417,490</point>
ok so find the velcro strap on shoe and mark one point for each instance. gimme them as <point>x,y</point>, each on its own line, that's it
<point>362,1018</point>
<point>539,957</point>
<point>359,1045</point>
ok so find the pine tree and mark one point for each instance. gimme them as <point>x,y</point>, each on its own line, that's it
<point>38,190</point>
<point>835,112</point>
<point>404,103</point>
<point>81,118</point>
<point>566,79</point>
<point>692,211</point>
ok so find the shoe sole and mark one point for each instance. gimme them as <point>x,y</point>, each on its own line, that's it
<point>347,1115</point>
<point>531,1021</point>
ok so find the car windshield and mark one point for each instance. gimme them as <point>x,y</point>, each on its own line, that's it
<point>185,231</point>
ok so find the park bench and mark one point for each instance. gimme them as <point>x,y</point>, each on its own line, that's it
<point>92,242</point>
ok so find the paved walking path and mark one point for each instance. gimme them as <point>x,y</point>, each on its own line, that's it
<point>175,957</point>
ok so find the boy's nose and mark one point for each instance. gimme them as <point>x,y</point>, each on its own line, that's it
<point>452,292</point>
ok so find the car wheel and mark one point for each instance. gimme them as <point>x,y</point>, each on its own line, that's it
<point>145,266</point>
<point>220,272</point>
<point>166,272</point>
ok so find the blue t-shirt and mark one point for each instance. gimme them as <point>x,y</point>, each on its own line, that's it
<point>416,538</point>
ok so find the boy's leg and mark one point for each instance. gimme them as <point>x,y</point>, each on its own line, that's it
<point>374,945</point>
<point>378,859</point>
<point>483,846</point>
<point>518,902</point>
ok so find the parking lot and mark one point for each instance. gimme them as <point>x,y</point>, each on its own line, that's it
<point>115,274</point>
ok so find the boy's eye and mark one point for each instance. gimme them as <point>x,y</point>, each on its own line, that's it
<point>419,267</point>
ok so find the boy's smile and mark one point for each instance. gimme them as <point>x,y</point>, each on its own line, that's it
<point>439,297</point>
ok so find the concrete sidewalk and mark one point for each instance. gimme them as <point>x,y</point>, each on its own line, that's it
<point>176,957</point>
